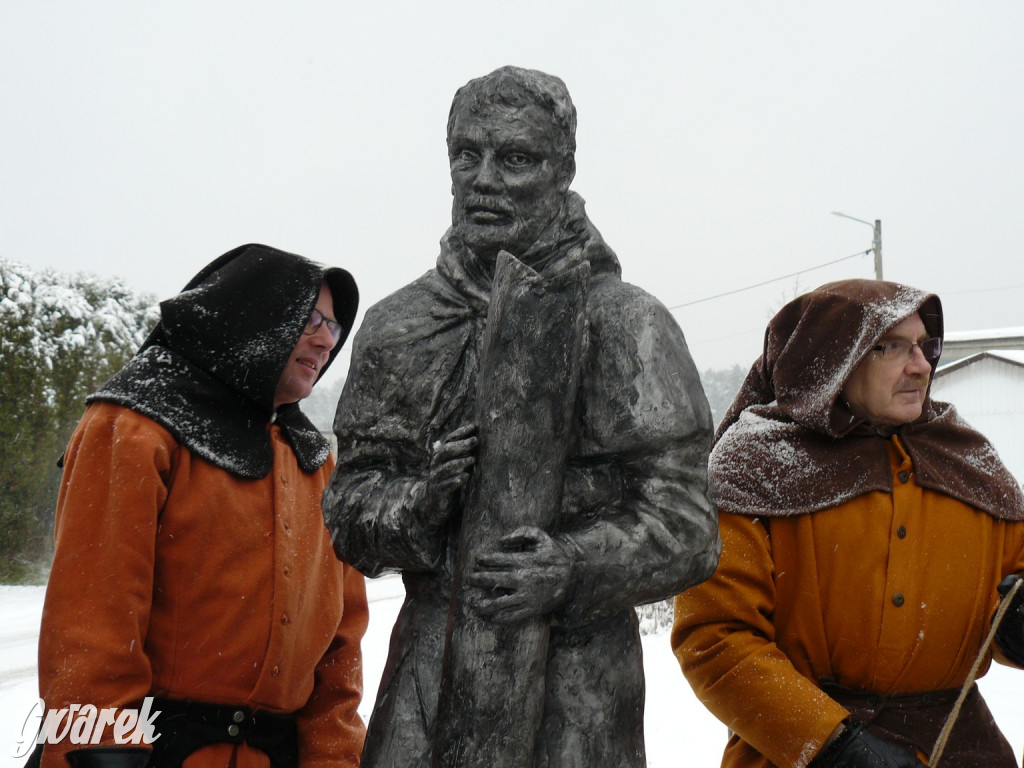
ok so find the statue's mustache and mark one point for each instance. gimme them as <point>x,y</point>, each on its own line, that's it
<point>487,203</point>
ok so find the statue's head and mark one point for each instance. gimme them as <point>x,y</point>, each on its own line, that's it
<point>511,145</point>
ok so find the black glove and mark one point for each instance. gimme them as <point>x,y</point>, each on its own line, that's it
<point>1010,635</point>
<point>109,757</point>
<point>857,748</point>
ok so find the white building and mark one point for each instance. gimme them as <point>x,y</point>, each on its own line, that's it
<point>959,344</point>
<point>986,384</point>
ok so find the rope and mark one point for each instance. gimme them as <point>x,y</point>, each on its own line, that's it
<point>940,743</point>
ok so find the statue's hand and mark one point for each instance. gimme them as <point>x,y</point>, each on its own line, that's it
<point>529,574</point>
<point>451,460</point>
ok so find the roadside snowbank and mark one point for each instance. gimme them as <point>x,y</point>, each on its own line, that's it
<point>679,730</point>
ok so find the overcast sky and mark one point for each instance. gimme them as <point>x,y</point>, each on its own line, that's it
<point>143,139</point>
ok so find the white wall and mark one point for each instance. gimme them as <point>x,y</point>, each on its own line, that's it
<point>989,395</point>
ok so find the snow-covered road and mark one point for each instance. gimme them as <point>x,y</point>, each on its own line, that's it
<point>680,732</point>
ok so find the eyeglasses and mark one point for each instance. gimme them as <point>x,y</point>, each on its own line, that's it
<point>900,350</point>
<point>316,319</point>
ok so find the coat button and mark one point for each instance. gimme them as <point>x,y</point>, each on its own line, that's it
<point>897,599</point>
<point>238,716</point>
<point>233,730</point>
<point>901,532</point>
<point>904,476</point>
<point>275,671</point>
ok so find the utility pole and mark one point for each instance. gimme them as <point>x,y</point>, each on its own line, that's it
<point>876,245</point>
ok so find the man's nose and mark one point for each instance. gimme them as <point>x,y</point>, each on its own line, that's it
<point>918,363</point>
<point>323,337</point>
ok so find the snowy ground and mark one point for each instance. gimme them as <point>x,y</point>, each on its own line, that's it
<point>679,730</point>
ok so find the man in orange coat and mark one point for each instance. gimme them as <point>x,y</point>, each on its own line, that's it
<point>866,530</point>
<point>193,575</point>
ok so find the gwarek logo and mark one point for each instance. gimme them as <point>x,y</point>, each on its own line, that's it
<point>85,724</point>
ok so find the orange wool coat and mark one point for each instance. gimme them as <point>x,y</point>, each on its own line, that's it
<point>174,578</point>
<point>892,593</point>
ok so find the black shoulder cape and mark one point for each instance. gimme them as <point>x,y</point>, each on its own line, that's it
<point>209,370</point>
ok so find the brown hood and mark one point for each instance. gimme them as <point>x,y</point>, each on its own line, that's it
<point>789,445</point>
<point>816,341</point>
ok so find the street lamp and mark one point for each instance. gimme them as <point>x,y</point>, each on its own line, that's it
<point>876,246</point>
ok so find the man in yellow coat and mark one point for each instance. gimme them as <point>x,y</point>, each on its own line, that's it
<point>193,576</point>
<point>865,530</point>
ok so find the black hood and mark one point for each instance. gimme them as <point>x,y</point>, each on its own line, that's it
<point>209,370</point>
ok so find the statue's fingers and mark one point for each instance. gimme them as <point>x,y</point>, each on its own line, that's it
<point>487,580</point>
<point>454,469</point>
<point>499,562</point>
<point>452,448</point>
<point>461,432</point>
<point>503,608</point>
<point>524,540</point>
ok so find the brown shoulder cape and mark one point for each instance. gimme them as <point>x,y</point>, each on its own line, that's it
<point>789,445</point>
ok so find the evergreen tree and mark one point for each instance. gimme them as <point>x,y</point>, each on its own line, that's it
<point>721,386</point>
<point>60,337</point>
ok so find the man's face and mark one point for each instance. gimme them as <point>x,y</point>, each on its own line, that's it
<point>887,389</point>
<point>508,179</point>
<point>310,355</point>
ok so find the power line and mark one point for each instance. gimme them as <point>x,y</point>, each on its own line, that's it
<point>773,280</point>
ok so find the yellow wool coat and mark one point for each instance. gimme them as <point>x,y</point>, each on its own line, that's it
<point>174,578</point>
<point>891,593</point>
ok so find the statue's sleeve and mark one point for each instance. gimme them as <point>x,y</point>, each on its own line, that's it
<point>373,504</point>
<point>643,526</point>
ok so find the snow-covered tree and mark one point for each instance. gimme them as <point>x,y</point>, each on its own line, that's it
<point>721,386</point>
<point>60,337</point>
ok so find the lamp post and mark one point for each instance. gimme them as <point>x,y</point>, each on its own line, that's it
<point>876,246</point>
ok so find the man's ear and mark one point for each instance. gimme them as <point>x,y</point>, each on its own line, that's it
<point>566,173</point>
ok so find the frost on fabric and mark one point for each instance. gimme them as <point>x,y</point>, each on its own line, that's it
<point>768,439</point>
<point>774,467</point>
<point>820,382</point>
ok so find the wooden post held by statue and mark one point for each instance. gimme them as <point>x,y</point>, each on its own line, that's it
<point>492,688</point>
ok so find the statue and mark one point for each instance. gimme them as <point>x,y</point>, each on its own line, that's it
<point>524,437</point>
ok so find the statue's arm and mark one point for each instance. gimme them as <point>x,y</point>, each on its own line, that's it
<point>658,540</point>
<point>647,422</point>
<point>385,517</point>
<point>373,514</point>
<point>393,490</point>
<point>637,524</point>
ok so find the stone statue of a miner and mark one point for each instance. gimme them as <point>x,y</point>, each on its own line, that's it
<point>525,438</point>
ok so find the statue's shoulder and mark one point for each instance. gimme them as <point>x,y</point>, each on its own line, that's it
<point>409,326</point>
<point>620,306</point>
<point>420,290</point>
<point>393,311</point>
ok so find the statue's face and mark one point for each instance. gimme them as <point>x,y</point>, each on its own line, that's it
<point>508,179</point>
